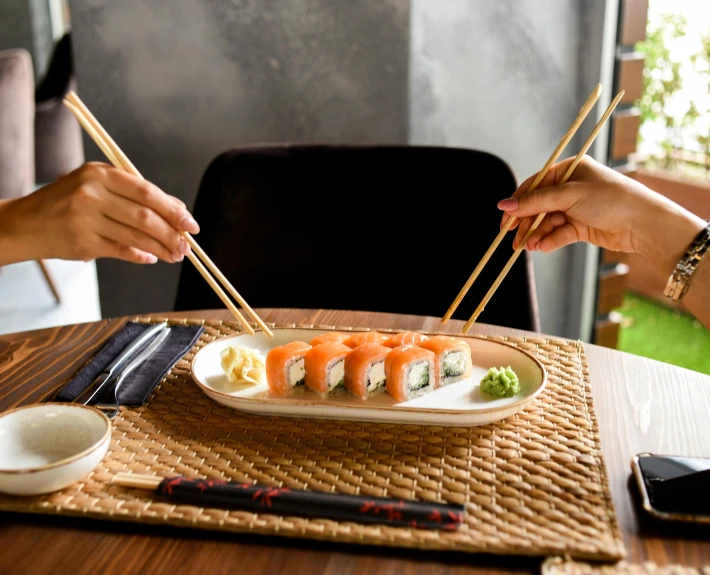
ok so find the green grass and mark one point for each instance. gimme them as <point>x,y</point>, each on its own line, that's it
<point>652,330</point>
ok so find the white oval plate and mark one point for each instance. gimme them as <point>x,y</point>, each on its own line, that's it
<point>460,404</point>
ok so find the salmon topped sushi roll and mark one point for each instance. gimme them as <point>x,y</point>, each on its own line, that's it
<point>285,367</point>
<point>338,336</point>
<point>410,372</point>
<point>453,358</point>
<point>325,367</point>
<point>405,338</point>
<point>365,369</point>
<point>361,337</point>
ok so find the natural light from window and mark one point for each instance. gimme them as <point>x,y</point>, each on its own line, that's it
<point>676,107</point>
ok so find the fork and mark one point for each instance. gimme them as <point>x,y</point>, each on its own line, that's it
<point>113,408</point>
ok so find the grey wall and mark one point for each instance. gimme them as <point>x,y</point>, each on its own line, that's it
<point>15,25</point>
<point>26,24</point>
<point>176,82</point>
<point>509,77</point>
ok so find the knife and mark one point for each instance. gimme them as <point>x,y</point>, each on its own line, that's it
<point>148,351</point>
<point>97,386</point>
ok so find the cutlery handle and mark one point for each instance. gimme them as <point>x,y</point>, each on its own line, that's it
<point>138,343</point>
<point>145,354</point>
<point>139,359</point>
<point>94,390</point>
<point>340,507</point>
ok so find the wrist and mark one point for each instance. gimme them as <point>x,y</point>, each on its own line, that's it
<point>17,241</point>
<point>666,234</point>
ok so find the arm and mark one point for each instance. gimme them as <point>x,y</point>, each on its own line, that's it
<point>664,240</point>
<point>14,245</point>
<point>95,211</point>
<point>605,208</point>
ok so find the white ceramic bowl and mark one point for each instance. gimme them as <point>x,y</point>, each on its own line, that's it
<point>49,446</point>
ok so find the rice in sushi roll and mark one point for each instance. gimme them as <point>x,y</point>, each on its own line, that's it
<point>410,372</point>
<point>453,358</point>
<point>325,367</point>
<point>285,367</point>
<point>365,369</point>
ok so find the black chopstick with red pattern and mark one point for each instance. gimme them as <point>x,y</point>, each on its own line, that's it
<point>285,501</point>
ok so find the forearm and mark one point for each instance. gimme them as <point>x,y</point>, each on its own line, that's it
<point>17,243</point>
<point>697,299</point>
<point>664,244</point>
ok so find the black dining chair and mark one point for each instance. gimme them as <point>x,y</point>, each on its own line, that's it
<point>372,228</point>
<point>59,148</point>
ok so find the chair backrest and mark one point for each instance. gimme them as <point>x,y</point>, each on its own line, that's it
<point>17,108</point>
<point>58,138</point>
<point>373,228</point>
<point>59,77</point>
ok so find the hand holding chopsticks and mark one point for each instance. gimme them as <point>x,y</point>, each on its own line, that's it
<point>511,221</point>
<point>540,217</point>
<point>119,160</point>
<point>583,113</point>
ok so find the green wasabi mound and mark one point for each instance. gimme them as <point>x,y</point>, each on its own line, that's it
<point>501,382</point>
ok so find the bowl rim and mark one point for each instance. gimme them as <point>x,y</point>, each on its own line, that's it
<point>71,458</point>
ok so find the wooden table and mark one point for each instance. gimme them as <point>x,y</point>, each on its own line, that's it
<point>642,405</point>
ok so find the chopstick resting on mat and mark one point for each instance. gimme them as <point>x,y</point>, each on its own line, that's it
<point>540,217</point>
<point>118,159</point>
<point>583,112</point>
<point>285,501</point>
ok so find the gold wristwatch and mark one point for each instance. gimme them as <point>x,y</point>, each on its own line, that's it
<point>679,282</point>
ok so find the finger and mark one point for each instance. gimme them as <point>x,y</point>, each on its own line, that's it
<point>111,249</point>
<point>547,226</point>
<point>553,176</point>
<point>544,200</point>
<point>523,226</point>
<point>147,194</point>
<point>558,238</point>
<point>145,220</point>
<point>134,238</point>
<point>504,220</point>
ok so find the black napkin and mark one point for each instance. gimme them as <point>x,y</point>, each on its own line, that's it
<point>139,384</point>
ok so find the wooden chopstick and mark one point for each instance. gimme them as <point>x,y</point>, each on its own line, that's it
<point>540,217</point>
<point>583,112</point>
<point>101,142</point>
<point>116,156</point>
<point>137,481</point>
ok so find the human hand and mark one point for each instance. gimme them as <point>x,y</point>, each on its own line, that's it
<point>99,211</point>
<point>597,205</point>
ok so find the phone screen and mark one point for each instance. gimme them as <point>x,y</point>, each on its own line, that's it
<point>677,484</point>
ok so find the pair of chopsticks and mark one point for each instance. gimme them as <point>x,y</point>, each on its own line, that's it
<point>206,493</point>
<point>119,160</point>
<point>584,111</point>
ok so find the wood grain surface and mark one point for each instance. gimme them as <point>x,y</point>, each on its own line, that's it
<point>642,405</point>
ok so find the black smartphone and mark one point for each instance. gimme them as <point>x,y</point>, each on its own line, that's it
<point>673,487</point>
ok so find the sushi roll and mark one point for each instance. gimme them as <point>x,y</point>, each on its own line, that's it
<point>325,367</point>
<point>285,367</point>
<point>453,358</point>
<point>338,336</point>
<point>405,338</point>
<point>365,369</point>
<point>359,338</point>
<point>410,372</point>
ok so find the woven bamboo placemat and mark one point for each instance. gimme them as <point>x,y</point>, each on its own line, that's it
<point>564,566</point>
<point>533,484</point>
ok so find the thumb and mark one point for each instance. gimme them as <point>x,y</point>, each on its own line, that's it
<point>542,200</point>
